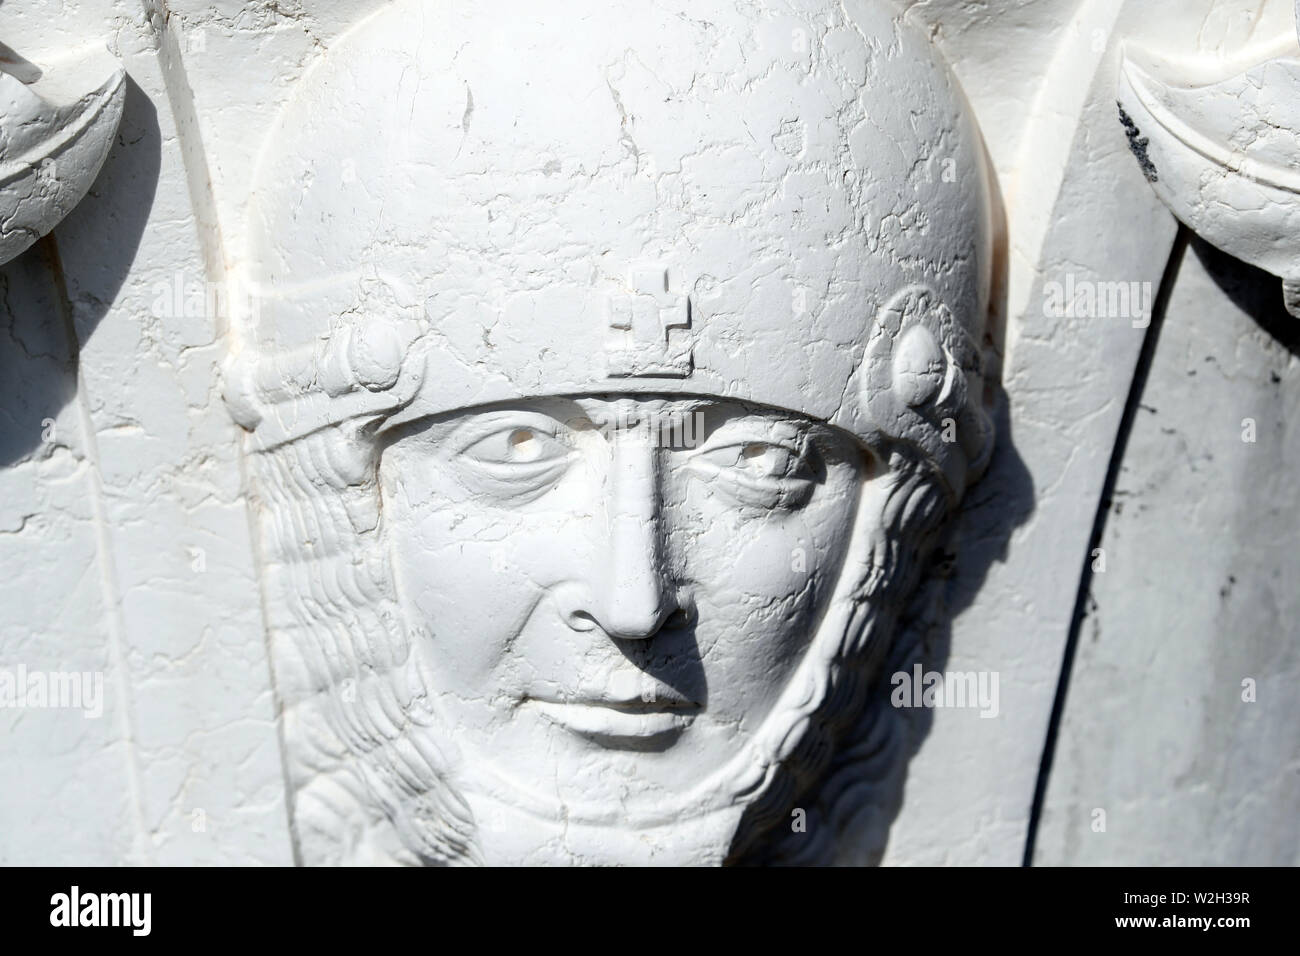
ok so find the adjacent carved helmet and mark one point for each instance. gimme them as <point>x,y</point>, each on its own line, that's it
<point>467,203</point>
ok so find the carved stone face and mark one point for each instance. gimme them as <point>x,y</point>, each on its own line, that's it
<point>612,592</point>
<point>525,628</point>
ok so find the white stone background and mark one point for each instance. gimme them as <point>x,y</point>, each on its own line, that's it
<point>125,545</point>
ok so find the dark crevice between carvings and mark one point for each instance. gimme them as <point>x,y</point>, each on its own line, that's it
<point>1138,144</point>
<point>1082,597</point>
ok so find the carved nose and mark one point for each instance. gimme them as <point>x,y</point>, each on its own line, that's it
<point>638,596</point>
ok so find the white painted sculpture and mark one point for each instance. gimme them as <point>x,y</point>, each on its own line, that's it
<point>549,432</point>
<point>56,127</point>
<point>612,373</point>
<point>1219,143</point>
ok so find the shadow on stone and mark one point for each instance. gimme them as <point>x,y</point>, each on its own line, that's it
<point>40,340</point>
<point>863,793</point>
<point>1254,291</point>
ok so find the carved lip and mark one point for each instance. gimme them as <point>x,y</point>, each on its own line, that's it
<point>605,718</point>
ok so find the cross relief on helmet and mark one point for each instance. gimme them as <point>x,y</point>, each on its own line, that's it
<point>649,327</point>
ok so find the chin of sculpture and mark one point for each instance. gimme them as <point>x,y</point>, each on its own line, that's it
<point>613,373</point>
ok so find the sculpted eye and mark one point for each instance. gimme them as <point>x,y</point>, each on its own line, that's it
<point>516,445</point>
<point>772,471</point>
<point>757,459</point>
<point>763,460</point>
<point>516,461</point>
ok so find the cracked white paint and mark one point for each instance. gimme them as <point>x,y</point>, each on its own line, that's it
<point>740,213</point>
<point>1160,730</point>
<point>416,272</point>
<point>1218,140</point>
<point>57,122</point>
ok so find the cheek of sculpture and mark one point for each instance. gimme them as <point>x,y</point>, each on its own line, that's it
<point>626,613</point>
<point>471,575</point>
<point>762,580</point>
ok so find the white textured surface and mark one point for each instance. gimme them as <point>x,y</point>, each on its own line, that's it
<point>57,124</point>
<point>1220,143</point>
<point>1198,595</point>
<point>142,473</point>
<point>768,216</point>
<point>125,534</point>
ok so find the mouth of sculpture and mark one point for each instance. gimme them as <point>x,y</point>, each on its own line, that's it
<point>634,724</point>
